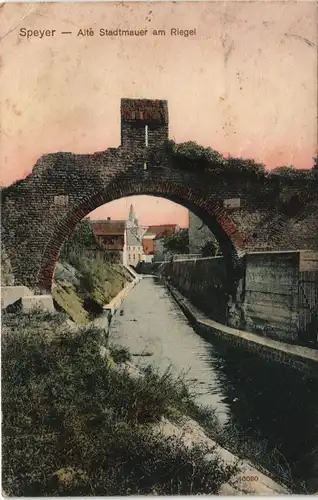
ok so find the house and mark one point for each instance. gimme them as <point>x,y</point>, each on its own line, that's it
<point>163,229</point>
<point>160,232</point>
<point>133,239</point>
<point>148,246</point>
<point>134,247</point>
<point>110,234</point>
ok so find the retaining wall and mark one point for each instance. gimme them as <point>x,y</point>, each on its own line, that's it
<point>270,294</point>
<point>204,282</point>
<point>298,357</point>
<point>267,298</point>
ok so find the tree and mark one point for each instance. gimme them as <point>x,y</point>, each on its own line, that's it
<point>192,155</point>
<point>244,166</point>
<point>209,249</point>
<point>178,242</point>
<point>81,238</point>
<point>285,171</point>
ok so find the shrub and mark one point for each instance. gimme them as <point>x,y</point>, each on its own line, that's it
<point>119,354</point>
<point>191,155</point>
<point>209,249</point>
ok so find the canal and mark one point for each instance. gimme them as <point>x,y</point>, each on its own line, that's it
<point>274,408</point>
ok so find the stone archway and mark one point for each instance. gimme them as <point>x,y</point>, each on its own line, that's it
<point>210,212</point>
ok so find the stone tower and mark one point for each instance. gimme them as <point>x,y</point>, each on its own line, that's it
<point>144,126</point>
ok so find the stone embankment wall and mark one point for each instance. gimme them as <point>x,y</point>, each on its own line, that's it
<point>301,358</point>
<point>204,283</point>
<point>277,295</point>
<point>270,294</point>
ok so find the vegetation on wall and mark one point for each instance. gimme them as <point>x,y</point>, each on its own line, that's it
<point>16,188</point>
<point>290,172</point>
<point>190,155</point>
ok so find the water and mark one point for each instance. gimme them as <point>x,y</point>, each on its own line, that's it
<point>263,400</point>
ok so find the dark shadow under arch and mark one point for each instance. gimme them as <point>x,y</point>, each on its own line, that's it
<point>209,211</point>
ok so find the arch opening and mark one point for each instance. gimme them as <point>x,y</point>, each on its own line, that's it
<point>209,211</point>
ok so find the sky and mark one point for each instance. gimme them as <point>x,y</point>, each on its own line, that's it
<point>245,84</point>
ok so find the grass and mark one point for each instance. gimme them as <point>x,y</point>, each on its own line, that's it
<point>75,423</point>
<point>99,282</point>
<point>68,300</point>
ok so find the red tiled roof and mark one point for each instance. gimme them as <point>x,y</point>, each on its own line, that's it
<point>164,230</point>
<point>108,227</point>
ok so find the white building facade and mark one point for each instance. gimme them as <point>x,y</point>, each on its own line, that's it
<point>133,240</point>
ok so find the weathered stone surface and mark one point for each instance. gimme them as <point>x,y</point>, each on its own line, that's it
<point>40,302</point>
<point>10,294</point>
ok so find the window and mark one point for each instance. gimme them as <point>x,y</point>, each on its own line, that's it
<point>61,200</point>
<point>232,203</point>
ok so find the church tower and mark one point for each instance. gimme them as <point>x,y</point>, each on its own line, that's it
<point>132,220</point>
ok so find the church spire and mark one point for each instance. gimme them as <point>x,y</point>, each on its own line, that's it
<point>132,219</point>
<point>132,216</point>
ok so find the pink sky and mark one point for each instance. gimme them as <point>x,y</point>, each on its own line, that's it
<point>246,84</point>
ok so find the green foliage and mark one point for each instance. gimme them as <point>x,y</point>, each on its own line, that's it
<point>99,280</point>
<point>7,278</point>
<point>192,155</point>
<point>178,242</point>
<point>81,238</point>
<point>244,166</point>
<point>75,425</point>
<point>119,354</point>
<point>209,249</point>
<point>290,172</point>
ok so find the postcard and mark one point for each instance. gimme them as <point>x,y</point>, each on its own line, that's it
<point>159,248</point>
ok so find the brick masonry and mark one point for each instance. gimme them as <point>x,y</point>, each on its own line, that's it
<point>39,212</point>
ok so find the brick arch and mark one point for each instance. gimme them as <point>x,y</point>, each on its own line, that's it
<point>210,211</point>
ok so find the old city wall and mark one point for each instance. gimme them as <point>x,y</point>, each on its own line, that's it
<point>275,223</point>
<point>41,211</point>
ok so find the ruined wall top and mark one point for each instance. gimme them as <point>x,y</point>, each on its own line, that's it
<point>152,111</point>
